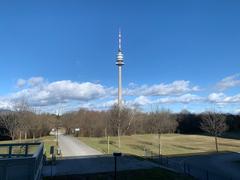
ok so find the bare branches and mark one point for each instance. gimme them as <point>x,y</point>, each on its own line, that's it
<point>162,121</point>
<point>214,123</point>
<point>10,122</point>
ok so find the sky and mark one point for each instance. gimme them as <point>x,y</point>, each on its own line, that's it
<point>178,54</point>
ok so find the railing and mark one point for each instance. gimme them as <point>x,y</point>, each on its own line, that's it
<point>21,161</point>
<point>21,150</point>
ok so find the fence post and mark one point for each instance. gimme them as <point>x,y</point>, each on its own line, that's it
<point>26,150</point>
<point>207,175</point>
<point>108,144</point>
<point>10,151</point>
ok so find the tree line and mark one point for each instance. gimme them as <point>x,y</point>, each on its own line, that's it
<point>23,122</point>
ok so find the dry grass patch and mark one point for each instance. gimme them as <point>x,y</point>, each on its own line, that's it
<point>171,144</point>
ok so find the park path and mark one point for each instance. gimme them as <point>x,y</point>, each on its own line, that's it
<point>71,146</point>
<point>86,160</point>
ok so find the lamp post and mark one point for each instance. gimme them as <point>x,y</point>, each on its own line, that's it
<point>116,154</point>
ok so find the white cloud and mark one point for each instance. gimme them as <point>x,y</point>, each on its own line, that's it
<point>139,101</point>
<point>216,97</point>
<point>174,88</point>
<point>5,104</point>
<point>185,99</point>
<point>59,92</point>
<point>21,83</point>
<point>108,104</point>
<point>221,98</point>
<point>46,95</point>
<point>34,81</point>
<point>38,92</point>
<point>237,111</point>
<point>228,82</point>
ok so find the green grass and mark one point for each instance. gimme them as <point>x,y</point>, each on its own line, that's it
<point>47,140</point>
<point>171,144</point>
<point>149,174</point>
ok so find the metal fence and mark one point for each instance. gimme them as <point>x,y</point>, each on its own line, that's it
<point>189,169</point>
<point>18,150</point>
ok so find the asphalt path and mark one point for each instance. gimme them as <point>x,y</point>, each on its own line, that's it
<point>71,146</point>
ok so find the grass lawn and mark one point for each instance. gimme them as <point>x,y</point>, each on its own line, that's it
<point>47,140</point>
<point>171,144</point>
<point>149,174</point>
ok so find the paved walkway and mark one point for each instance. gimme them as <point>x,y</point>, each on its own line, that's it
<point>71,146</point>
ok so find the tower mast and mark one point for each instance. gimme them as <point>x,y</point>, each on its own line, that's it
<point>119,63</point>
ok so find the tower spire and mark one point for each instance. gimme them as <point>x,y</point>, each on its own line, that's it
<point>119,40</point>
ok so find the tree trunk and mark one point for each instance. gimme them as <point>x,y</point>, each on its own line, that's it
<point>159,145</point>
<point>108,144</point>
<point>216,143</point>
<point>33,135</point>
<point>12,135</point>
<point>25,135</point>
<point>119,138</point>
<point>105,132</point>
<point>20,136</point>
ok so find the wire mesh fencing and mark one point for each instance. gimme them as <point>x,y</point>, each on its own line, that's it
<point>186,168</point>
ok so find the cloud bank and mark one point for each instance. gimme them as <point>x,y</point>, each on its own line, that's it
<point>46,95</point>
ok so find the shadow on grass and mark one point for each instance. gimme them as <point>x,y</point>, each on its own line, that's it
<point>185,147</point>
<point>198,154</point>
<point>145,143</point>
<point>136,147</point>
<point>143,174</point>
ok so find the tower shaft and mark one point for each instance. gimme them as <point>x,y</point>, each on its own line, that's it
<point>119,63</point>
<point>120,86</point>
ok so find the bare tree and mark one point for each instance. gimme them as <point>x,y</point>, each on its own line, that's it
<point>10,122</point>
<point>214,124</point>
<point>163,121</point>
<point>24,113</point>
<point>120,121</point>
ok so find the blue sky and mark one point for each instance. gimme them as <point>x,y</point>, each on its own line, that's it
<point>178,54</point>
